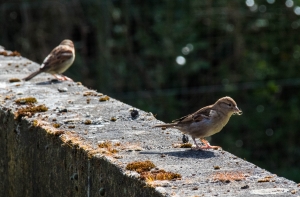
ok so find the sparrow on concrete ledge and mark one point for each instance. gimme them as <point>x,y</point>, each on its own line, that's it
<point>206,121</point>
<point>58,61</point>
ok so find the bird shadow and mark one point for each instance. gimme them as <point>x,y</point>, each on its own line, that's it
<point>197,154</point>
<point>52,81</point>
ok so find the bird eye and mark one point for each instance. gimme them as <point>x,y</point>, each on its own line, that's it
<point>229,104</point>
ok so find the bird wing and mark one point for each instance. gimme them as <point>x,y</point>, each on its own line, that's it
<point>57,56</point>
<point>195,117</point>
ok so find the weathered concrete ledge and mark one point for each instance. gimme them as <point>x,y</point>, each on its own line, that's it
<point>81,146</point>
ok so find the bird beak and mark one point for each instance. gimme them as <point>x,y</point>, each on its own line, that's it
<point>237,111</point>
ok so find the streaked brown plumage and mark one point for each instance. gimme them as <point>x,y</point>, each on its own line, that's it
<point>58,61</point>
<point>206,121</point>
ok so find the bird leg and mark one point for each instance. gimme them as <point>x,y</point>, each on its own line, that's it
<point>207,145</point>
<point>197,147</point>
<point>58,77</point>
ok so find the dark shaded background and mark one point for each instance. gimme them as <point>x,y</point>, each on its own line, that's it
<point>245,49</point>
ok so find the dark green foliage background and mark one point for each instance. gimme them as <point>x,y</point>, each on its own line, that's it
<point>127,49</point>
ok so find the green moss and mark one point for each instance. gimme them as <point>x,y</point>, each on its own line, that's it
<point>26,100</point>
<point>104,98</point>
<point>90,93</point>
<point>159,175</point>
<point>106,144</point>
<point>30,111</point>
<point>140,166</point>
<point>56,125</point>
<point>144,167</point>
<point>113,119</point>
<point>186,145</point>
<point>87,122</point>
<point>35,123</point>
<point>13,80</point>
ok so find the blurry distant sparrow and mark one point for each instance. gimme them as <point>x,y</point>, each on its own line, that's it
<point>58,61</point>
<point>206,121</point>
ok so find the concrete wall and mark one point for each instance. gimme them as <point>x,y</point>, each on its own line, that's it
<point>36,163</point>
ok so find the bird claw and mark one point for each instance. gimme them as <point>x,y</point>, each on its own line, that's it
<point>211,147</point>
<point>67,78</point>
<point>62,78</point>
<point>207,147</point>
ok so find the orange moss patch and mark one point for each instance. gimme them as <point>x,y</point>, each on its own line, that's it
<point>55,132</point>
<point>113,151</point>
<point>182,145</point>
<point>186,145</point>
<point>8,97</point>
<point>50,129</point>
<point>217,167</point>
<point>114,119</point>
<point>26,101</point>
<point>228,176</point>
<point>29,111</point>
<point>14,53</point>
<point>90,93</point>
<point>13,80</point>
<point>265,179</point>
<point>87,122</point>
<point>4,53</point>
<point>108,145</point>
<point>35,123</point>
<point>71,139</point>
<point>140,166</point>
<point>130,146</point>
<point>159,175</point>
<point>56,125</point>
<point>88,100</point>
<point>104,98</point>
<point>144,167</point>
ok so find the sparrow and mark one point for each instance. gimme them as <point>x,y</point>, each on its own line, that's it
<point>58,61</point>
<point>206,121</point>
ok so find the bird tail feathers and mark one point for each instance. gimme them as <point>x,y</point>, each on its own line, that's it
<point>32,75</point>
<point>165,125</point>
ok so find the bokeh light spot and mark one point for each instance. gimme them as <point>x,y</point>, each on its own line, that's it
<point>275,50</point>
<point>180,60</point>
<point>250,3</point>
<point>239,143</point>
<point>260,108</point>
<point>185,50</point>
<point>289,3</point>
<point>297,10</point>
<point>269,132</point>
<point>262,8</point>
